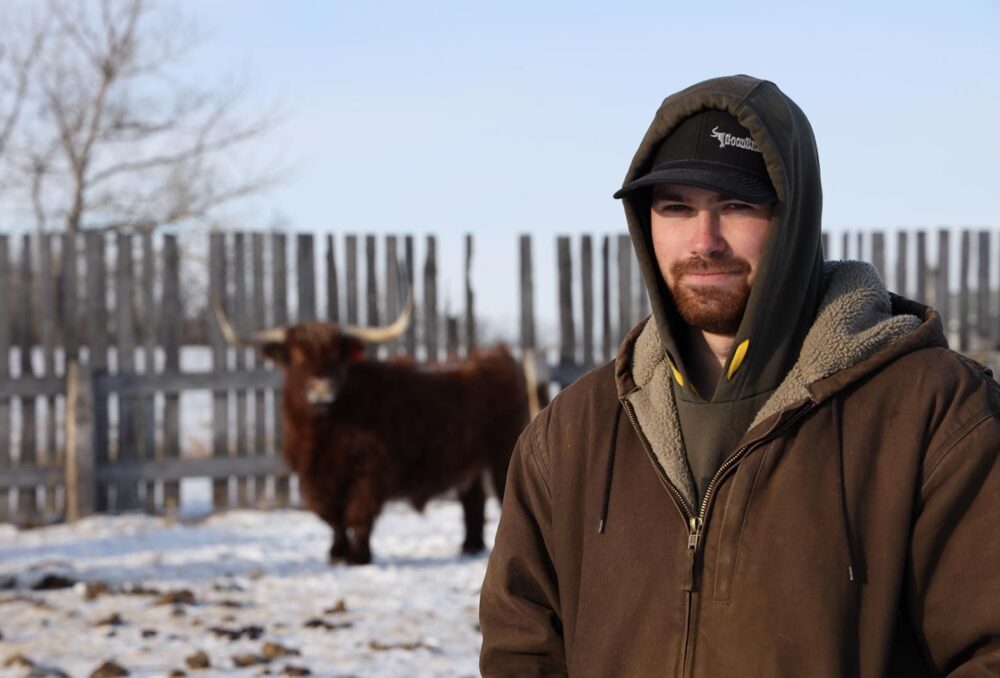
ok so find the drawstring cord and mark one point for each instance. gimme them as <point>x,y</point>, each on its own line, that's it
<point>842,489</point>
<point>612,446</point>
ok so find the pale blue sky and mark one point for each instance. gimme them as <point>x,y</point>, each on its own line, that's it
<point>502,118</point>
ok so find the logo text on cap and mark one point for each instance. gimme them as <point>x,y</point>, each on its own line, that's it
<point>727,139</point>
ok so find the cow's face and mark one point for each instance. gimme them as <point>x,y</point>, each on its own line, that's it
<point>316,358</point>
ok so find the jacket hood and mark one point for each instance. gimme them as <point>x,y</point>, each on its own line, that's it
<point>787,285</point>
<point>859,327</point>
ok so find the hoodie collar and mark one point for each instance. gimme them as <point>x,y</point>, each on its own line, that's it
<point>859,328</point>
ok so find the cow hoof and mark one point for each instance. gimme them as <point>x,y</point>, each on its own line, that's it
<point>359,560</point>
<point>473,548</point>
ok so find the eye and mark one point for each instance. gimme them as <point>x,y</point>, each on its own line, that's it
<point>664,206</point>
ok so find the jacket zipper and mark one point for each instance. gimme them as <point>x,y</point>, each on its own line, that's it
<point>685,508</point>
<point>696,523</point>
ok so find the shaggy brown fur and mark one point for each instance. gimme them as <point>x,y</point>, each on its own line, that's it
<point>359,432</point>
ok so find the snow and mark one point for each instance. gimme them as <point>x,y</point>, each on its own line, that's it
<point>256,577</point>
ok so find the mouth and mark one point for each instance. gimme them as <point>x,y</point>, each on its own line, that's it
<point>711,277</point>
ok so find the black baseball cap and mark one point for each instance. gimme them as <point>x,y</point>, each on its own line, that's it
<point>712,150</point>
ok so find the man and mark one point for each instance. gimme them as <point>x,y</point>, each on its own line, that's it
<point>785,472</point>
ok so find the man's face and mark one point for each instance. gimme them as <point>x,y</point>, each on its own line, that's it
<point>708,247</point>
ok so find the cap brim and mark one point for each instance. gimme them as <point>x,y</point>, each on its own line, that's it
<point>729,181</point>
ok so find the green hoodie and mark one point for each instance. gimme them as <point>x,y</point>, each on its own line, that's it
<point>787,287</point>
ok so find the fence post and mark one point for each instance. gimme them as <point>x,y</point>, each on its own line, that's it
<point>922,271</point>
<point>625,318</point>
<point>332,288</point>
<point>567,331</point>
<point>6,306</point>
<point>470,299</point>
<point>256,360</point>
<point>279,312</point>
<point>605,299</point>
<point>371,283</point>
<point>48,299</point>
<point>430,300</point>
<point>941,282</point>
<point>963,291</point>
<point>411,330</point>
<point>81,485</point>
<point>128,403</point>
<point>351,276</point>
<point>97,349</point>
<point>527,295</point>
<point>393,303</point>
<point>26,500</point>
<point>172,319</point>
<point>878,255</point>
<point>587,298</point>
<point>305,275</point>
<point>147,403</point>
<point>902,262</point>
<point>983,324</point>
<point>241,316</point>
<point>217,294</point>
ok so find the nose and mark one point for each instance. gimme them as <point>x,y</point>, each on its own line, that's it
<point>707,240</point>
<point>320,391</point>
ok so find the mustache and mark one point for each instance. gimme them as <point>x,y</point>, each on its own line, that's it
<point>698,265</point>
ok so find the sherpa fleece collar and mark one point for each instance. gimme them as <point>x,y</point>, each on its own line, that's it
<point>855,320</point>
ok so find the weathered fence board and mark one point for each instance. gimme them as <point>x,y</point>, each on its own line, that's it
<point>6,307</point>
<point>567,328</point>
<point>470,299</point>
<point>430,300</point>
<point>279,309</point>
<point>625,319</point>
<point>127,496</point>
<point>27,497</point>
<point>587,299</point>
<point>220,397</point>
<point>172,321</point>
<point>527,295</point>
<point>241,314</point>
<point>260,446</point>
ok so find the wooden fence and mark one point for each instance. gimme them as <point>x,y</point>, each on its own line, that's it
<point>94,329</point>
<point>91,377</point>
<point>955,272</point>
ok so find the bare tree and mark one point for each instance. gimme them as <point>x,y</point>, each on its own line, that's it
<point>115,139</point>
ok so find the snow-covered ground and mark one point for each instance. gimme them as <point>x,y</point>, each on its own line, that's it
<point>243,587</point>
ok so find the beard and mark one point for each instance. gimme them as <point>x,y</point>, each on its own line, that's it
<point>716,310</point>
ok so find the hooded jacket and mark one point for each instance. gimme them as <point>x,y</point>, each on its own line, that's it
<point>787,285</point>
<point>850,530</point>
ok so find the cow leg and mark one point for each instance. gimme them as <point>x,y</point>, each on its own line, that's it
<point>341,545</point>
<point>363,507</point>
<point>473,506</point>
<point>333,515</point>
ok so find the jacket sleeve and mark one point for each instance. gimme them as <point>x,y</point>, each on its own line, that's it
<point>519,605</point>
<point>953,591</point>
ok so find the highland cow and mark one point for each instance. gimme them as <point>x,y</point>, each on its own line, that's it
<point>360,431</point>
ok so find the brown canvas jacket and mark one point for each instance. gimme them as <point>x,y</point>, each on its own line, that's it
<point>854,532</point>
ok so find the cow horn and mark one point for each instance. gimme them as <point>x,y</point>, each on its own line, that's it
<point>380,335</point>
<point>272,336</point>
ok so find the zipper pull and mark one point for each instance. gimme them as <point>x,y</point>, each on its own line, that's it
<point>694,540</point>
<point>694,536</point>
